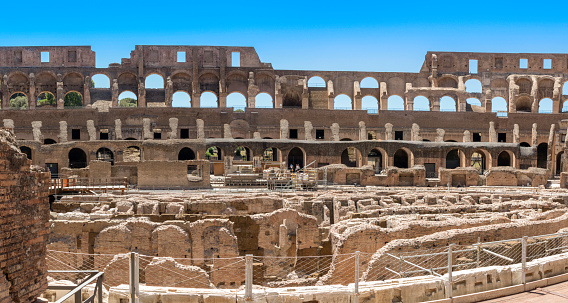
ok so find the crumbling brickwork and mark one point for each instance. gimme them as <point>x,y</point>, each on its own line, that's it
<point>24,225</point>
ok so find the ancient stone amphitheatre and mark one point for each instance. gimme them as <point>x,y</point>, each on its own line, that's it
<point>294,199</point>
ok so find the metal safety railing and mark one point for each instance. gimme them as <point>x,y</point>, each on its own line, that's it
<point>453,264</point>
<point>75,291</point>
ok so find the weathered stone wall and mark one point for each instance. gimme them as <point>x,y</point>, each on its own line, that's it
<point>24,225</point>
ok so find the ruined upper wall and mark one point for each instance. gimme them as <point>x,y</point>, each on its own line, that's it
<point>458,62</point>
<point>59,56</point>
<point>202,56</point>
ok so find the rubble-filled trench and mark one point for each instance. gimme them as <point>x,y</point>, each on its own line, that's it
<point>196,232</point>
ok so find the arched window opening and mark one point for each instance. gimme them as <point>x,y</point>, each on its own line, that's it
<point>559,163</point>
<point>525,144</point>
<point>370,103</point>
<point>369,82</point>
<point>545,106</point>
<point>349,157</point>
<point>292,100</point>
<point>270,154</point>
<point>131,154</point>
<point>263,100</point>
<point>395,103</point>
<point>541,155</point>
<point>565,89</point>
<point>208,99</point>
<point>401,159</point>
<point>473,86</point>
<point>498,104</point>
<point>186,153</point>
<point>154,81</point>
<point>447,104</point>
<point>525,86</point>
<point>421,103</point>
<point>504,159</point>
<point>524,104</point>
<point>473,101</point>
<point>242,153</point>
<point>127,99</point>
<point>453,159</point>
<point>316,82</point>
<point>237,101</point>
<point>26,150</point>
<point>73,100</point>
<point>19,101</point>
<point>478,161</point>
<point>342,102</point>
<point>46,99</point>
<point>213,153</point>
<point>77,158</point>
<point>296,157</point>
<point>181,99</point>
<point>375,159</point>
<point>100,81</point>
<point>48,141</point>
<point>565,106</point>
<point>105,154</point>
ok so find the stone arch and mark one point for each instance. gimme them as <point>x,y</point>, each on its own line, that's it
<point>448,104</point>
<point>46,82</point>
<point>73,82</point>
<point>77,158</point>
<point>265,83</point>
<point>524,144</point>
<point>524,104</point>
<point>296,156</point>
<point>127,99</point>
<point>369,82</point>
<point>26,150</point>
<point>154,81</point>
<point>525,86</point>
<point>18,100</point>
<point>263,100</point>
<point>369,103</point>
<point>395,102</point>
<point>453,158</point>
<point>18,81</point>
<point>376,158</point>
<point>242,153</point>
<point>421,103</point>
<point>73,99</point>
<point>481,160</point>
<point>292,100</point>
<point>447,82</point>
<point>237,82</point>
<point>499,104</point>
<point>559,163</point>
<point>545,106</point>
<point>316,81</point>
<point>342,101</point>
<point>48,141</point>
<point>208,99</point>
<point>181,99</point>
<point>271,154</point>
<point>565,106</point>
<point>237,101</point>
<point>351,157</point>
<point>186,153</point>
<point>401,158</point>
<point>209,82</point>
<point>504,159</point>
<point>101,81</point>
<point>105,154</point>
<point>127,81</point>
<point>181,81</point>
<point>545,89</point>
<point>214,153</point>
<point>46,99</point>
<point>473,86</point>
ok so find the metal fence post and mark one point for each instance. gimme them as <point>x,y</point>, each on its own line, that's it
<point>524,259</point>
<point>248,277</point>
<point>450,270</point>
<point>134,281</point>
<point>356,295</point>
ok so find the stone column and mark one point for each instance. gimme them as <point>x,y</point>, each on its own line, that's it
<point>118,129</point>
<point>36,131</point>
<point>362,131</point>
<point>141,93</point>
<point>534,94</point>
<point>32,93</point>
<point>284,129</point>
<point>222,99</point>
<point>466,136</point>
<point>63,137</point>
<point>173,128</point>
<point>87,91</point>
<point>5,93</point>
<point>492,132</point>
<point>8,123</point>
<point>388,131</point>
<point>434,103</point>
<point>60,95</point>
<point>256,135</point>
<point>415,133</point>
<point>196,100</point>
<point>534,138</point>
<point>200,128</point>
<point>384,96</point>
<point>146,133</point>
<point>440,133</point>
<point>114,92</point>
<point>308,128</point>
<point>550,151</point>
<point>335,132</point>
<point>516,133</point>
<point>92,130</point>
<point>227,131</point>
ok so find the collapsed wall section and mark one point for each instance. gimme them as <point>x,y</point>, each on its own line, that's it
<point>24,225</point>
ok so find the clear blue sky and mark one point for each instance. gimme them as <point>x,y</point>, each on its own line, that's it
<point>320,35</point>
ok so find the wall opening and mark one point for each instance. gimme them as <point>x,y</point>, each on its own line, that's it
<point>421,103</point>
<point>77,158</point>
<point>541,155</point>
<point>453,159</point>
<point>263,100</point>
<point>547,63</point>
<point>73,100</point>
<point>342,102</point>
<point>236,59</point>
<point>296,157</point>
<point>127,99</point>
<point>369,82</point>
<point>473,66</point>
<point>44,57</point>
<point>395,103</point>
<point>208,99</point>
<point>504,159</point>
<point>180,57</point>
<point>401,159</point>
<point>181,99</point>
<point>524,63</point>
<point>316,82</point>
<point>186,153</point>
<point>105,154</point>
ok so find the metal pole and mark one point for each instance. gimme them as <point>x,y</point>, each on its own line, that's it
<point>356,298</point>
<point>450,270</point>
<point>100,288</point>
<point>248,277</point>
<point>134,278</point>
<point>524,259</point>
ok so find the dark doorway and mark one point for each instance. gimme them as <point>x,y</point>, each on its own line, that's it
<point>186,154</point>
<point>296,156</point>
<point>453,159</point>
<point>349,157</point>
<point>401,159</point>
<point>541,155</point>
<point>504,159</point>
<point>77,158</point>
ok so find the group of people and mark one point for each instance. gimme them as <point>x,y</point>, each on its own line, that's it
<point>297,168</point>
